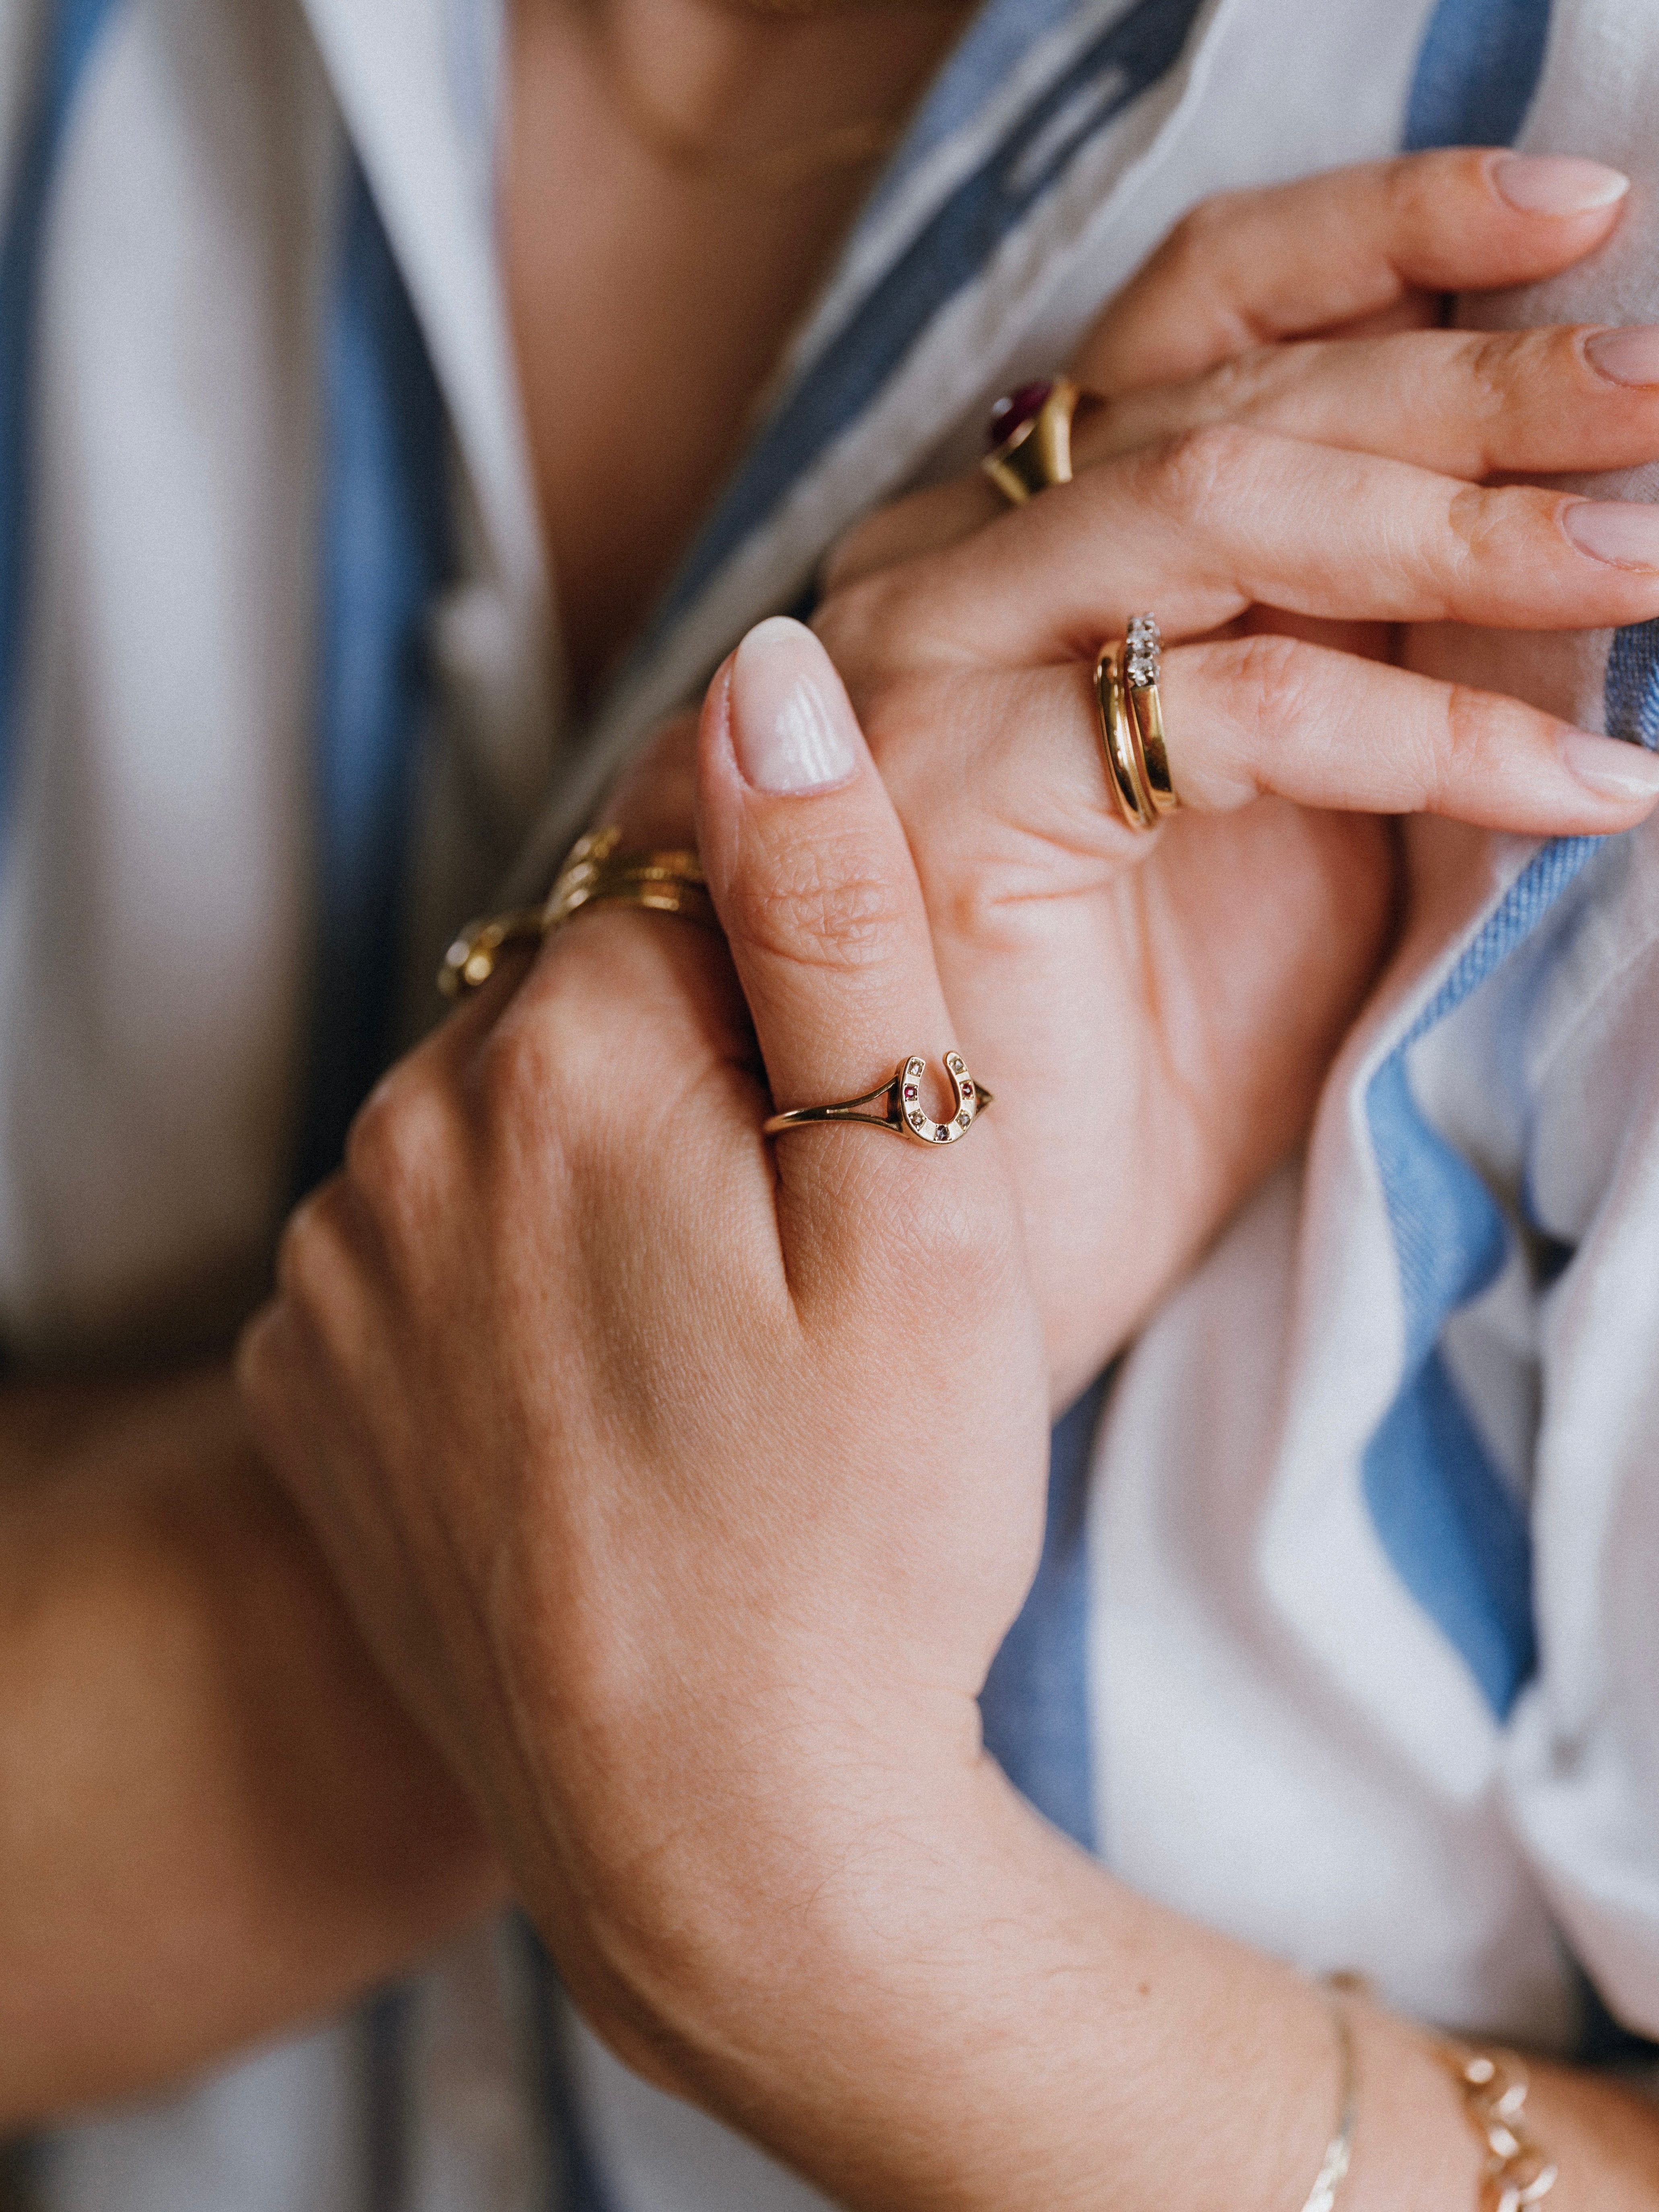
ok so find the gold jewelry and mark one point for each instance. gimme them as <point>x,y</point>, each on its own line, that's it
<point>1031,434</point>
<point>902,1109</point>
<point>1131,725</point>
<point>594,874</point>
<point>1494,2086</point>
<point>1339,2151</point>
<point>470,960</point>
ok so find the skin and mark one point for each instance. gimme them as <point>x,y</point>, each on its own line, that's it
<point>663,372</point>
<point>284,1887</point>
<point>215,1818</point>
<point>618,1528</point>
<point>1289,510</point>
<point>633,1549</point>
<point>641,499</point>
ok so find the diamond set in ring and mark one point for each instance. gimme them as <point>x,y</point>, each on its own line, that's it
<point>1144,652</point>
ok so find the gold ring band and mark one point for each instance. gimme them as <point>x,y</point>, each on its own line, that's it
<point>1036,454</point>
<point>900,1109</point>
<point>1131,726</point>
<point>594,874</point>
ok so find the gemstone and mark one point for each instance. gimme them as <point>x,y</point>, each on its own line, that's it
<point>916,1117</point>
<point>966,1088</point>
<point>1014,411</point>
<point>943,1135</point>
<point>910,1090</point>
<point>963,1120</point>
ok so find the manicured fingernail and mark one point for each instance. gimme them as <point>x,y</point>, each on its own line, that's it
<point>792,722</point>
<point>1617,530</point>
<point>1611,766</point>
<point>1557,184</point>
<point>1629,356</point>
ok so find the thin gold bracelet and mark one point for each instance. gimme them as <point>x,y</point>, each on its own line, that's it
<point>1339,2151</point>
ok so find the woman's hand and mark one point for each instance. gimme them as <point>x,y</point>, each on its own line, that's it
<point>684,1488</point>
<point>684,1483</point>
<point>1160,1009</point>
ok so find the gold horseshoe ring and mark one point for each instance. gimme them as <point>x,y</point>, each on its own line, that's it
<point>901,1108</point>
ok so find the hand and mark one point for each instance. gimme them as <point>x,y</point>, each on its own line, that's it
<point>684,1490</point>
<point>682,1483</point>
<point>1164,1009</point>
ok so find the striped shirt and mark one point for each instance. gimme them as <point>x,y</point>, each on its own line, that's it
<point>1343,1638</point>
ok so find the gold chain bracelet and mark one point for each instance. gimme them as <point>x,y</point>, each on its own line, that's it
<point>1494,2086</point>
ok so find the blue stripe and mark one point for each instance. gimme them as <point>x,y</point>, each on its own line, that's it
<point>1477,71</point>
<point>1444,1515</point>
<point>72,36</point>
<point>1455,1532</point>
<point>1631,698</point>
<point>386,2022</point>
<point>946,256</point>
<point>387,553</point>
<point>1034,1706</point>
<point>573,2176</point>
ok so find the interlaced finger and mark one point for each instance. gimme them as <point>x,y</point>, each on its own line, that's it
<point>1250,268</point>
<point>1205,527</point>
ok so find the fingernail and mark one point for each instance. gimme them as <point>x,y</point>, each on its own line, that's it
<point>1617,530</point>
<point>1557,184</point>
<point>1610,765</point>
<point>792,723</point>
<point>1627,356</point>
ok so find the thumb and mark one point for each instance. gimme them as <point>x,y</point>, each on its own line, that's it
<point>813,879</point>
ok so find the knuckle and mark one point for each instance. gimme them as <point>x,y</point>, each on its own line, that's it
<point>864,627</point>
<point>258,1364</point>
<point>314,1249</point>
<point>528,1066</point>
<point>397,1141</point>
<point>1202,233</point>
<point>1272,678</point>
<point>1496,365</point>
<point>828,905</point>
<point>1203,467</point>
<point>1471,733</point>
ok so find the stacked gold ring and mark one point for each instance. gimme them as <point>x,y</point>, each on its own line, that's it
<point>1131,725</point>
<point>595,873</point>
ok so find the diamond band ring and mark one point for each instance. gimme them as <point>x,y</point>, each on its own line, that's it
<point>1131,725</point>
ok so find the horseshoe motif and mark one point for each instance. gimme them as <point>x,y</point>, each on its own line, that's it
<point>900,1109</point>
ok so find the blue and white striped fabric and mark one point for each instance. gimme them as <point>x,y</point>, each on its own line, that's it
<point>1344,1638</point>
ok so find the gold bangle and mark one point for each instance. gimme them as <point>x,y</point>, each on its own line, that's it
<point>1518,2171</point>
<point>1339,2151</point>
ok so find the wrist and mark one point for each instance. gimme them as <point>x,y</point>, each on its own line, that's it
<point>794,1868</point>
